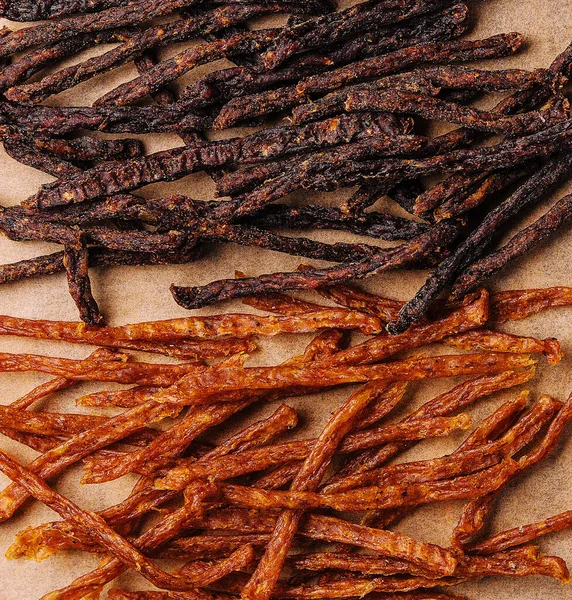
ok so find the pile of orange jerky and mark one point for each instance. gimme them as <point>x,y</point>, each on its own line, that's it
<point>353,85</point>
<point>260,517</point>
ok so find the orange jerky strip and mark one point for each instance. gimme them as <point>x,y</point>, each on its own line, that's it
<point>265,576</point>
<point>217,326</point>
<point>91,524</point>
<point>496,341</point>
<point>519,304</point>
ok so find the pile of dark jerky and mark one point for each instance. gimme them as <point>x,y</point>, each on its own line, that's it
<point>350,83</point>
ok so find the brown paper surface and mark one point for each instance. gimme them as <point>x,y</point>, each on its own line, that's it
<point>129,294</point>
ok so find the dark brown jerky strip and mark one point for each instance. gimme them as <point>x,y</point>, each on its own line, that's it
<point>77,149</point>
<point>446,76</point>
<point>248,42</point>
<point>133,14</point>
<point>173,164</point>
<point>140,119</point>
<point>98,257</point>
<point>288,97</point>
<point>40,10</point>
<point>25,154</point>
<point>537,186</point>
<point>32,62</point>
<point>230,83</point>
<point>464,200</point>
<point>397,101</point>
<point>336,27</point>
<point>520,244</point>
<point>372,224</point>
<point>76,261</point>
<point>203,23</point>
<point>409,252</point>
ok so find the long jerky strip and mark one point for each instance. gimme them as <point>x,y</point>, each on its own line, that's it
<point>169,70</point>
<point>336,27</point>
<point>408,253</point>
<point>284,98</point>
<point>537,186</point>
<point>49,120</point>
<point>22,68</point>
<point>265,577</point>
<point>447,76</point>
<point>520,244</point>
<point>441,110</point>
<point>153,37</point>
<point>133,14</point>
<point>520,304</point>
<point>32,157</point>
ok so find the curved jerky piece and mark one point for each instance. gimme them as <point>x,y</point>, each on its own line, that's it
<point>430,52</point>
<point>76,263</point>
<point>407,253</point>
<point>51,120</point>
<point>440,110</point>
<point>520,244</point>
<point>152,37</point>
<point>23,67</point>
<point>519,304</point>
<point>250,42</point>
<point>536,187</point>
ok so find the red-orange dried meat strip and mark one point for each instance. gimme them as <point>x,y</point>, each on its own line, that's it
<point>231,325</point>
<point>519,304</point>
<point>308,478</point>
<point>497,341</point>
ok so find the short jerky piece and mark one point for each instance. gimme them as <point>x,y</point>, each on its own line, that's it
<point>446,76</point>
<point>132,47</point>
<point>48,120</point>
<point>265,145</point>
<point>409,252</point>
<point>336,27</point>
<point>248,42</point>
<point>40,10</point>
<point>23,67</point>
<point>284,98</point>
<point>520,244</point>
<point>397,101</point>
<point>76,261</point>
<point>470,250</point>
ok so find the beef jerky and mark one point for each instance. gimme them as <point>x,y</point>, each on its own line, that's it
<point>26,10</point>
<point>523,242</point>
<point>534,188</point>
<point>284,98</point>
<point>441,110</point>
<point>32,157</point>
<point>412,251</point>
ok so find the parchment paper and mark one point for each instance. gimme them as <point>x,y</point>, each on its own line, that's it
<point>133,294</point>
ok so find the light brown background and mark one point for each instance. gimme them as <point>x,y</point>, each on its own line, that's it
<point>135,294</point>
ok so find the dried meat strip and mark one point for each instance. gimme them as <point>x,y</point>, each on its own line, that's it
<point>520,304</point>
<point>397,101</point>
<point>520,244</point>
<point>27,10</point>
<point>408,253</point>
<point>425,53</point>
<point>201,23</point>
<point>541,183</point>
